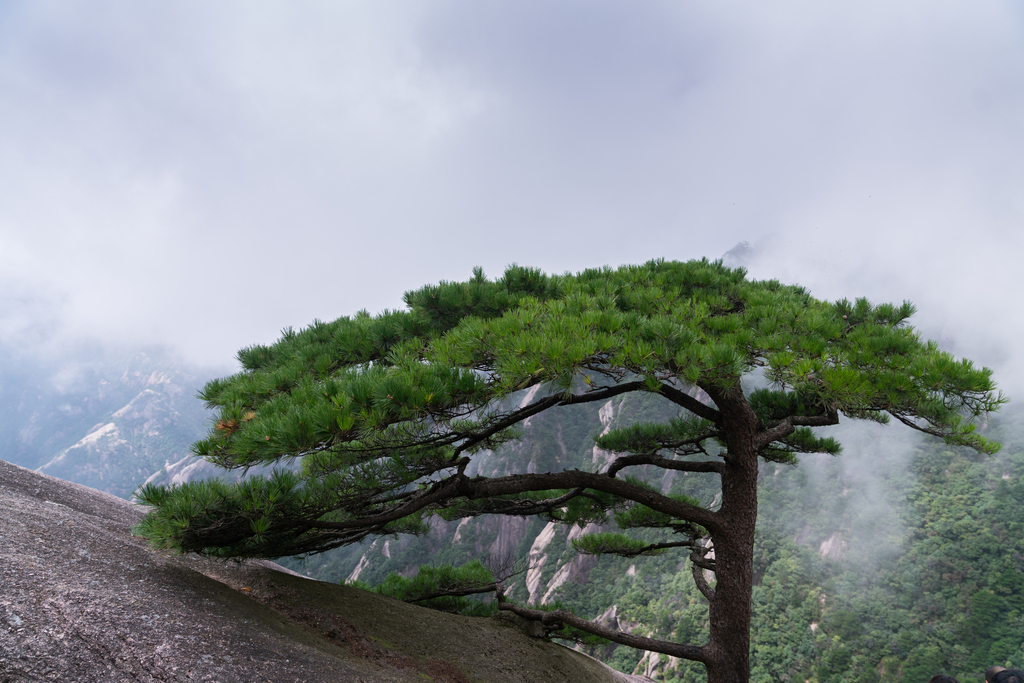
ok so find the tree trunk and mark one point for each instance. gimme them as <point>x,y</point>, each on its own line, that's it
<point>728,648</point>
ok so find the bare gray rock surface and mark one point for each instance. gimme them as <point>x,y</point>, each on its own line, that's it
<point>83,600</point>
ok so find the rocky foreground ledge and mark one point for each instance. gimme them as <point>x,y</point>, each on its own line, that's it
<point>82,600</point>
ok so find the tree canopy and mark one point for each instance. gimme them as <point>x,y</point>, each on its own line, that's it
<point>384,414</point>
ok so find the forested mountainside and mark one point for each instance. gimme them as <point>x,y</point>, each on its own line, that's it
<point>897,560</point>
<point>104,418</point>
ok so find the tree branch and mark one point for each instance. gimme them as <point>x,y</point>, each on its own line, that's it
<point>698,563</point>
<point>456,592</point>
<point>644,550</point>
<point>914,425</point>
<point>542,404</point>
<point>522,483</point>
<point>702,585</point>
<point>786,427</point>
<point>561,616</point>
<point>474,489</point>
<point>528,507</point>
<point>602,394</point>
<point>665,463</point>
<point>683,399</point>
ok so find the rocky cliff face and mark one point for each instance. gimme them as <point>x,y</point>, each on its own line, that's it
<point>157,423</point>
<point>81,599</point>
<point>98,417</point>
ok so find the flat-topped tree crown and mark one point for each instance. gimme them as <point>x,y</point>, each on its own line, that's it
<point>385,412</point>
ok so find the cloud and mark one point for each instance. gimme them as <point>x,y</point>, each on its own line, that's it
<point>204,175</point>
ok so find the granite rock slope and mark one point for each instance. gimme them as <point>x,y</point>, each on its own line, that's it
<point>81,599</point>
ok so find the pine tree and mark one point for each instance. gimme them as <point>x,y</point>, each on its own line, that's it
<point>385,412</point>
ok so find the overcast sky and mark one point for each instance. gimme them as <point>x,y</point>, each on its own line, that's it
<point>204,174</point>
